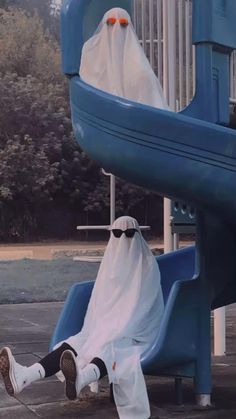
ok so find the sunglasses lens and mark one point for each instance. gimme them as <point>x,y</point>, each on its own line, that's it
<point>111,21</point>
<point>130,232</point>
<point>124,22</point>
<point>117,233</point>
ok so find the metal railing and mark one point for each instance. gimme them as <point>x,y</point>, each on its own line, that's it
<point>164,28</point>
<point>233,78</point>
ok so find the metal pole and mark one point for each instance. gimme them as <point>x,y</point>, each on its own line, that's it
<point>232,75</point>
<point>159,41</point>
<point>165,50</point>
<point>169,90</point>
<point>188,51</point>
<point>176,241</point>
<point>168,239</point>
<point>112,199</point>
<point>219,331</point>
<point>172,53</point>
<point>144,39</point>
<point>181,54</point>
<point>151,33</point>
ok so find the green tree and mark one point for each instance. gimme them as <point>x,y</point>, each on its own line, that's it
<point>46,9</point>
<point>32,107</point>
<point>43,7</point>
<point>35,107</point>
<point>3,4</point>
<point>48,185</point>
<point>25,48</point>
<point>130,200</point>
<point>22,189</point>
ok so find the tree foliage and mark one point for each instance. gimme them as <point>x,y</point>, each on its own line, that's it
<point>47,10</point>
<point>47,183</point>
<point>26,49</point>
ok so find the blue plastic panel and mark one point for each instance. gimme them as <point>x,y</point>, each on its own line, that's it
<point>173,267</point>
<point>72,316</point>
<point>214,21</point>
<point>177,156</point>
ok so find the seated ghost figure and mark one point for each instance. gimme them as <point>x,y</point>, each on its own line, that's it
<point>114,61</point>
<point>122,320</point>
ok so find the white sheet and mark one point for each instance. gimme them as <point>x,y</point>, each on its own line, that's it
<point>126,306</point>
<point>114,61</point>
<point>123,318</point>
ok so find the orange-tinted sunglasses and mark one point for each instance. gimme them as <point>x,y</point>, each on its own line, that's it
<point>112,20</point>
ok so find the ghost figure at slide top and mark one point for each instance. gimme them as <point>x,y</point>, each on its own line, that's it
<point>123,317</point>
<point>114,61</point>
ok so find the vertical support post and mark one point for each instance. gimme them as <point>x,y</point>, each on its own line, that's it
<point>159,41</point>
<point>169,84</point>
<point>203,385</point>
<point>181,55</point>
<point>144,39</point>
<point>193,70</point>
<point>112,195</point>
<point>188,47</point>
<point>233,77</point>
<point>112,199</point>
<point>219,332</point>
<point>168,238</point>
<point>172,53</point>
<point>165,50</point>
<point>151,33</point>
<point>176,241</point>
<point>178,390</point>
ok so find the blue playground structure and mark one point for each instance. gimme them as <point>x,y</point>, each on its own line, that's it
<point>188,156</point>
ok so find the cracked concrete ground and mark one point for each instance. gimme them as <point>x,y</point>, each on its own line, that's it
<point>27,329</point>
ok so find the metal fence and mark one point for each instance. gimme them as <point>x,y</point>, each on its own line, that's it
<point>164,28</point>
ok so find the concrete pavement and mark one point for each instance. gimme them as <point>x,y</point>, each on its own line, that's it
<point>48,251</point>
<point>27,329</point>
<point>61,249</point>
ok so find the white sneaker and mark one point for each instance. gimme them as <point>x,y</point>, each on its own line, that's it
<point>76,378</point>
<point>14,375</point>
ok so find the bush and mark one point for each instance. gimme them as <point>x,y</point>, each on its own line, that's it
<point>48,184</point>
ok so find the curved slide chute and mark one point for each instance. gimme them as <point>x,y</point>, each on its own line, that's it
<point>175,155</point>
<point>190,156</point>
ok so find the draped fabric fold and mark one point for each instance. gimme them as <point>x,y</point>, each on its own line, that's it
<point>126,306</point>
<point>114,61</point>
<point>123,317</point>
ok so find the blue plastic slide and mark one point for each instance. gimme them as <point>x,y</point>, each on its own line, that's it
<point>189,156</point>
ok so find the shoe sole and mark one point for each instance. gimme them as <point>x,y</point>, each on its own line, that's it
<point>68,368</point>
<point>5,369</point>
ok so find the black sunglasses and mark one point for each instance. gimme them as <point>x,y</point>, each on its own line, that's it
<point>130,232</point>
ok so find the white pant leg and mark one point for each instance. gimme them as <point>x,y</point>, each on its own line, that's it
<point>131,395</point>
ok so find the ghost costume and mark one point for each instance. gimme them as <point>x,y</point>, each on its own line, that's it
<point>123,318</point>
<point>126,306</point>
<point>114,61</point>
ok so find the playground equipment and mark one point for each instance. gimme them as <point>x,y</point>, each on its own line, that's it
<point>178,332</point>
<point>189,156</point>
